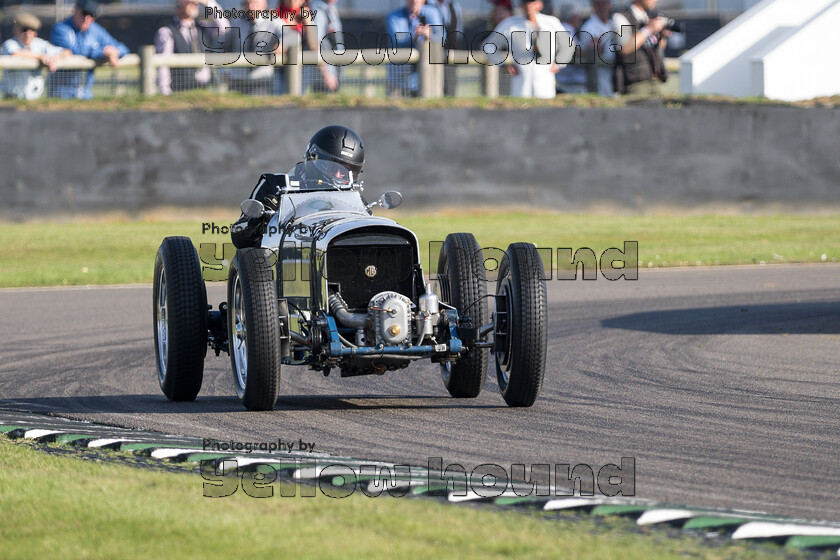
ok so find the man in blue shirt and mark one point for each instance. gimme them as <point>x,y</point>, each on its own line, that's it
<point>410,27</point>
<point>83,36</point>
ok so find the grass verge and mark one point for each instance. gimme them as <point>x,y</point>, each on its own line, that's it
<point>118,252</point>
<point>210,101</point>
<point>55,507</point>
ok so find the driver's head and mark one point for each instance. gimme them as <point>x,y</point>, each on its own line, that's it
<point>335,154</point>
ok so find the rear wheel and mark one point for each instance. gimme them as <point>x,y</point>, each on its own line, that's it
<point>463,285</point>
<point>180,319</point>
<point>521,325</point>
<point>254,329</point>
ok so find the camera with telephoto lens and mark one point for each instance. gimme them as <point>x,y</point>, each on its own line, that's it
<point>672,25</point>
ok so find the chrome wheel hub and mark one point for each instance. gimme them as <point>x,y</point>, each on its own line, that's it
<point>161,319</point>
<point>239,342</point>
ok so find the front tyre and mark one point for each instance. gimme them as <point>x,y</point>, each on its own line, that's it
<point>180,319</point>
<point>254,329</point>
<point>463,285</point>
<point>521,325</point>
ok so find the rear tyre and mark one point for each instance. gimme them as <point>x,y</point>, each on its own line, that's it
<point>180,319</point>
<point>254,329</point>
<point>521,325</point>
<point>463,285</point>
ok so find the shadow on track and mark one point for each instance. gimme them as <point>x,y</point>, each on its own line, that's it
<point>377,402</point>
<point>782,318</point>
<point>157,404</point>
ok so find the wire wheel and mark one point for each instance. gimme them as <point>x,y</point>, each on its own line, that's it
<point>463,285</point>
<point>520,333</point>
<point>162,326</point>
<point>239,342</point>
<point>179,309</point>
<point>254,329</point>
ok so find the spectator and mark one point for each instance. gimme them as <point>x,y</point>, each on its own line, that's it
<point>572,78</point>
<point>184,35</point>
<point>642,74</point>
<point>29,84</point>
<point>292,15</point>
<point>83,36</point>
<point>328,24</point>
<point>414,24</point>
<point>453,25</point>
<point>600,27</point>
<point>296,33</point>
<point>501,10</point>
<point>306,33</point>
<point>261,35</point>
<point>532,79</point>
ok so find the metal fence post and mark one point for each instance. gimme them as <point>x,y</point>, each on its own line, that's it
<point>294,71</point>
<point>148,85</point>
<point>369,74</point>
<point>439,74</point>
<point>441,57</point>
<point>425,72</point>
<point>490,82</point>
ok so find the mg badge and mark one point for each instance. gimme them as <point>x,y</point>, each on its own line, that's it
<point>370,271</point>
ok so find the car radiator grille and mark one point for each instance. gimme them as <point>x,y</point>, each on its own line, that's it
<point>364,265</point>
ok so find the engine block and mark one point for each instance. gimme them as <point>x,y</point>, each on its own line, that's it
<point>390,315</point>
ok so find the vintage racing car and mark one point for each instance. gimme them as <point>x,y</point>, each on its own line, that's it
<point>329,285</point>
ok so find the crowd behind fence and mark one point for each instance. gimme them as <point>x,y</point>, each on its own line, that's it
<point>137,73</point>
<point>423,53</point>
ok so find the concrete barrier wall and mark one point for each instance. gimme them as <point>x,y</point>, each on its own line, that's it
<point>564,159</point>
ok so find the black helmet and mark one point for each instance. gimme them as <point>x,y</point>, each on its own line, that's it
<point>339,144</point>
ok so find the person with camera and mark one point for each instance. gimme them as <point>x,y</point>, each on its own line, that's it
<point>453,23</point>
<point>640,68</point>
<point>410,27</point>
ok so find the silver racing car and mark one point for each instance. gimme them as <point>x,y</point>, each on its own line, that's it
<point>319,281</point>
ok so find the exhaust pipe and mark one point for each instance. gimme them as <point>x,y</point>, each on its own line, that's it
<point>339,310</point>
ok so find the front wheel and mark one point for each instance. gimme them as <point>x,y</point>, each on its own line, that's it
<point>180,319</point>
<point>254,329</point>
<point>521,325</point>
<point>463,285</point>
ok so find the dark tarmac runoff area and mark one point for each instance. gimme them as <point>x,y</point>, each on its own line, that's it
<point>722,383</point>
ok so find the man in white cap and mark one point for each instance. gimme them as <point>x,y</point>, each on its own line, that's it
<point>29,84</point>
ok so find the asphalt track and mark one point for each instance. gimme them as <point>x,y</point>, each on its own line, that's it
<point>722,383</point>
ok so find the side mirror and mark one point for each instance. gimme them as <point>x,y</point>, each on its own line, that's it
<point>252,208</point>
<point>388,200</point>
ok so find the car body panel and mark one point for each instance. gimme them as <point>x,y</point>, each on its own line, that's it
<point>305,225</point>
